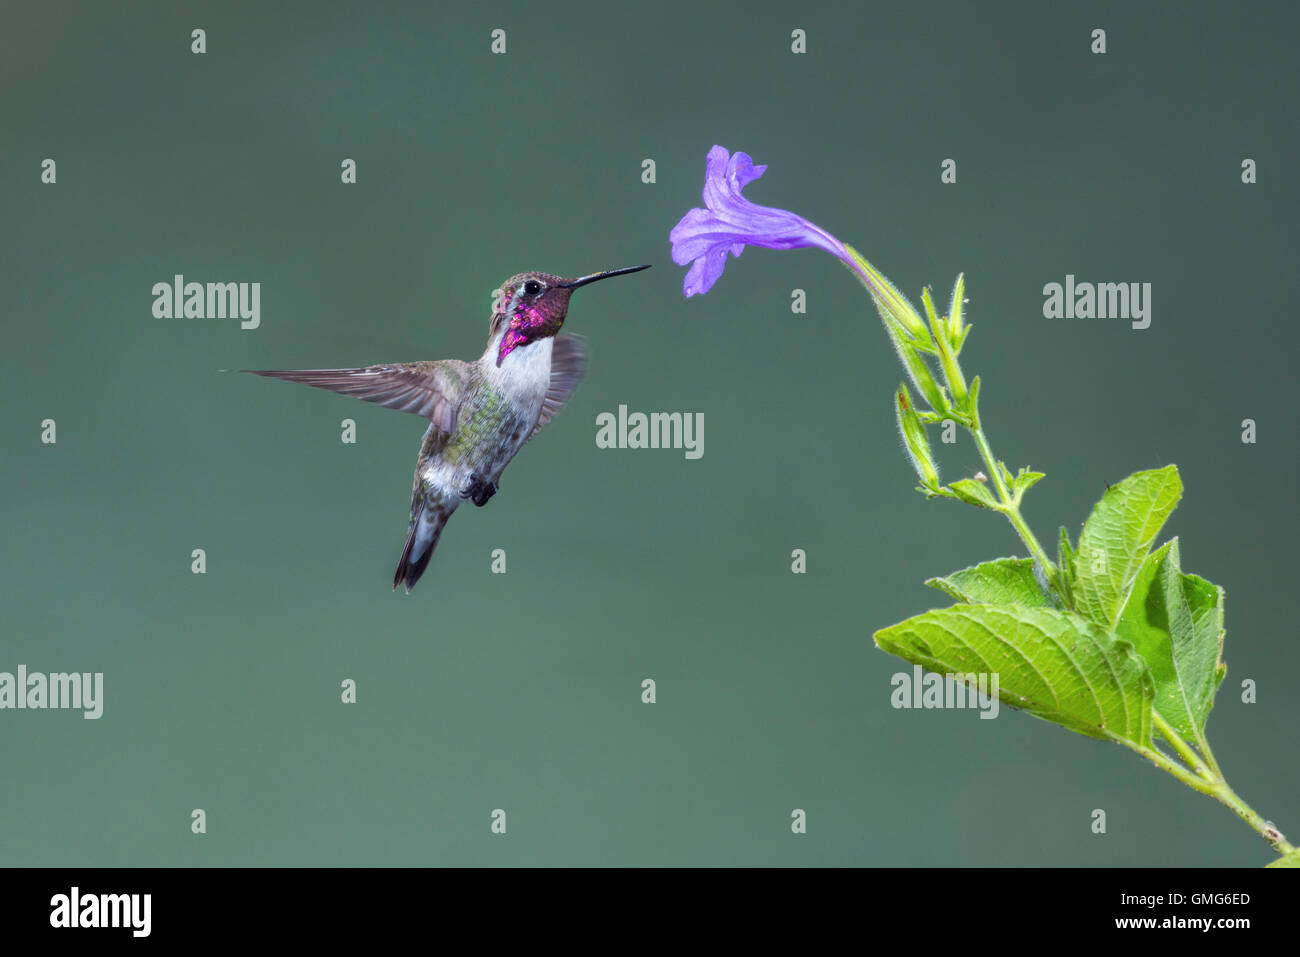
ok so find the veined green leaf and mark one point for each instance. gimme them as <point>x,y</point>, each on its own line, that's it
<point>1050,663</point>
<point>1003,581</point>
<point>1175,622</point>
<point>1116,539</point>
<point>973,492</point>
<point>1024,481</point>
<point>1065,565</point>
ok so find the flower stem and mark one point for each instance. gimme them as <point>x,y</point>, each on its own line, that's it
<point>1011,506</point>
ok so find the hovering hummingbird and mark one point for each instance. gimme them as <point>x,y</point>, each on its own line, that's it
<point>481,412</point>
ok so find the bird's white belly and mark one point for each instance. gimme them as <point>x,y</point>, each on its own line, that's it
<point>524,376</point>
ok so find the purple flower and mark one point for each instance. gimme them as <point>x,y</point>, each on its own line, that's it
<point>731,222</point>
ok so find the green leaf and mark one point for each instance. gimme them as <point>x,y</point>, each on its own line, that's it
<point>1003,581</point>
<point>1116,539</point>
<point>1024,481</point>
<point>1065,565</point>
<point>973,492</point>
<point>1052,664</point>
<point>1289,860</point>
<point>1175,623</point>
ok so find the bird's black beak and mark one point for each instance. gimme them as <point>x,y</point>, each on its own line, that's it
<point>575,283</point>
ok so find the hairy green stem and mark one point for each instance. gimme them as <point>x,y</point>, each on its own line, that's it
<point>1275,838</point>
<point>1185,751</point>
<point>1011,507</point>
<point>1207,779</point>
<point>1168,764</point>
<point>1203,748</point>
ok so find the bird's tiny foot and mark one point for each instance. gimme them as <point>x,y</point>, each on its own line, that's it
<point>479,490</point>
<point>486,493</point>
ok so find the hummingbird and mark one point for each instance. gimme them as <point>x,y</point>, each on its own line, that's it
<point>480,413</point>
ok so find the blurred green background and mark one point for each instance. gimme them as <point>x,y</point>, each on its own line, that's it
<point>522,691</point>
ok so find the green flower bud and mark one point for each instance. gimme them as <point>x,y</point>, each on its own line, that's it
<point>947,357</point>
<point>956,328</point>
<point>919,372</point>
<point>914,440</point>
<point>895,310</point>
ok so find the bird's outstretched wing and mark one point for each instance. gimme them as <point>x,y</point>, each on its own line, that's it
<point>429,389</point>
<point>568,366</point>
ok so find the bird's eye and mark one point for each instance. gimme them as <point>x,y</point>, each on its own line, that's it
<point>532,287</point>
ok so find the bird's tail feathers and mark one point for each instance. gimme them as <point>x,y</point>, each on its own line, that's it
<point>421,540</point>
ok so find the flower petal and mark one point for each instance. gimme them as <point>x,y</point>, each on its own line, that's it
<point>729,222</point>
<point>741,171</point>
<point>705,272</point>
